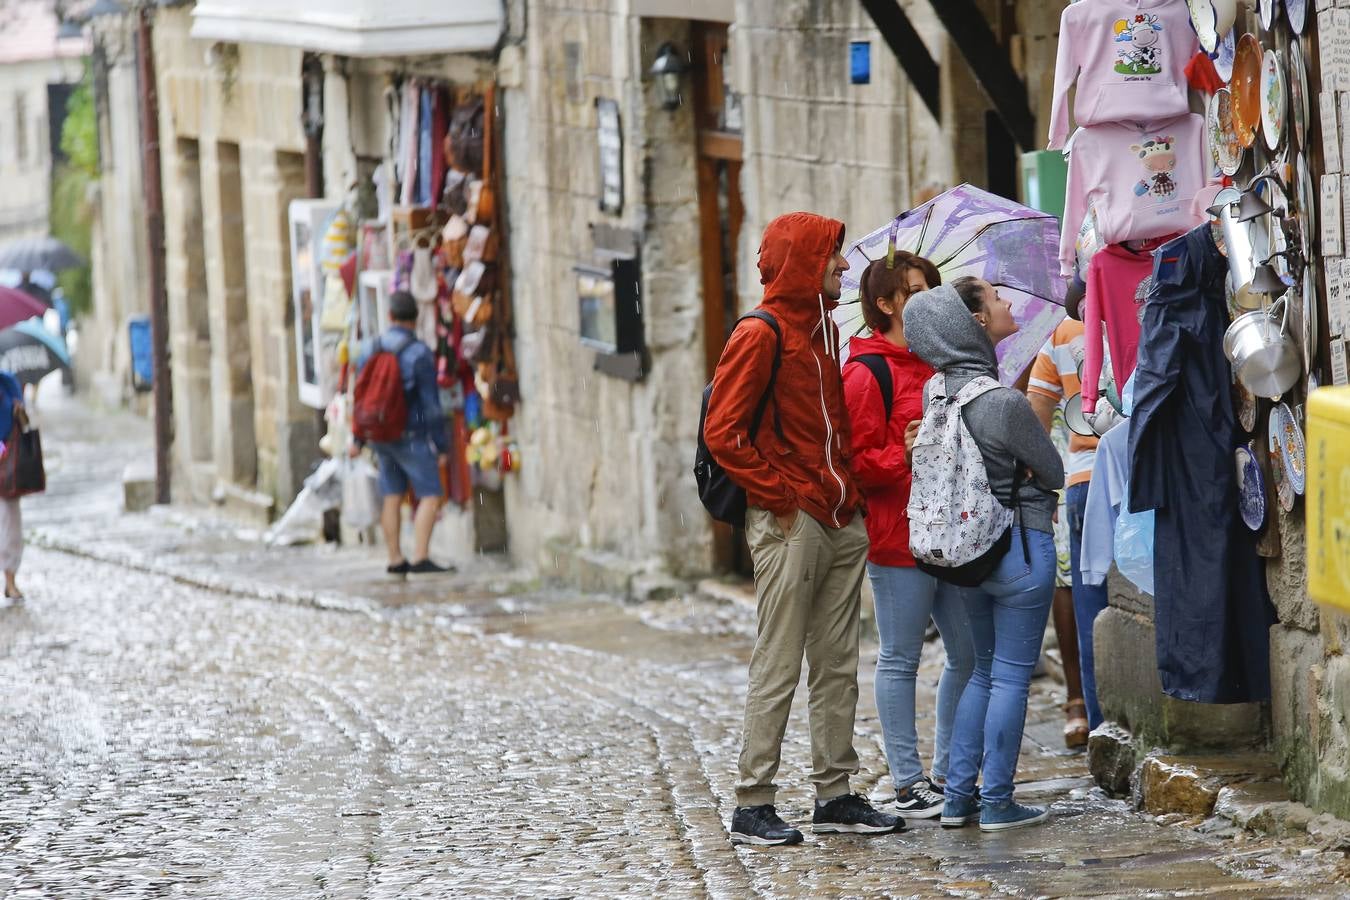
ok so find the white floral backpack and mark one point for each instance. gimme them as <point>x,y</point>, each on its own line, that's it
<point>958,529</point>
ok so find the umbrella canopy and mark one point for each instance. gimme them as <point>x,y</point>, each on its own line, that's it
<point>30,352</point>
<point>33,253</point>
<point>967,231</point>
<point>17,305</point>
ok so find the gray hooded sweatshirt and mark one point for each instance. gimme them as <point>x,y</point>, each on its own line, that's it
<point>943,333</point>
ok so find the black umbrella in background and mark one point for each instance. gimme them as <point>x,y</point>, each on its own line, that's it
<point>30,353</point>
<point>33,253</point>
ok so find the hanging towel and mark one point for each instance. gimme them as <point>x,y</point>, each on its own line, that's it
<point>408,146</point>
<point>440,123</point>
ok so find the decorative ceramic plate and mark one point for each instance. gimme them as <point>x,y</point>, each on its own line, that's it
<point>1246,407</point>
<point>1274,99</point>
<point>1293,452</point>
<point>1203,21</point>
<point>1224,148</point>
<point>1283,489</point>
<point>1246,87</point>
<point>1223,63</point>
<point>1297,11</point>
<point>1074,418</point>
<point>1251,489</point>
<point>1309,322</point>
<point>1299,109</point>
<point>1306,198</point>
<point>1268,8</point>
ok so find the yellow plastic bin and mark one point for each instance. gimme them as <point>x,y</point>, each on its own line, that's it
<point>1328,496</point>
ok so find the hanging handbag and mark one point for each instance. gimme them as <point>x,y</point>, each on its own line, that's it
<point>21,468</point>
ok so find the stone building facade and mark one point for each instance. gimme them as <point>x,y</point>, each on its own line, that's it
<point>606,494</point>
<point>32,59</point>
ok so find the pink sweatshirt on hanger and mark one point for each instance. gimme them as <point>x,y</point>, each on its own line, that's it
<point>1129,58</point>
<point>1142,181</point>
<point>1118,283</point>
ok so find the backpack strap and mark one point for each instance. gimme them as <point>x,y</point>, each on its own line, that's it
<point>881,371</point>
<point>773,374</point>
<point>976,387</point>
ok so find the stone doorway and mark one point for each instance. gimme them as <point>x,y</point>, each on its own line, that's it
<point>717,123</point>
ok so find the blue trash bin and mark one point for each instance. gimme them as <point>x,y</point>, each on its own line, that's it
<point>142,353</point>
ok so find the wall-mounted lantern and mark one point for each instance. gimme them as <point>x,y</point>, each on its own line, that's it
<point>668,70</point>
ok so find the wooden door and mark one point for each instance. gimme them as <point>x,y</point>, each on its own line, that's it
<point>721,213</point>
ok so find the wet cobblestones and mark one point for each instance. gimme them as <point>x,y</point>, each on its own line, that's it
<point>159,739</point>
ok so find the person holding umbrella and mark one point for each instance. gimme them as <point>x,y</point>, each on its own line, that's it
<point>11,517</point>
<point>883,404</point>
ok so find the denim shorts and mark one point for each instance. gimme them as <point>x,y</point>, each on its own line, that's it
<point>408,461</point>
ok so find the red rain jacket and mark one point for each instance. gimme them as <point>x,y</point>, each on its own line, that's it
<point>879,446</point>
<point>809,468</point>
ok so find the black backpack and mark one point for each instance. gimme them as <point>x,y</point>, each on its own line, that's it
<point>722,497</point>
<point>881,371</point>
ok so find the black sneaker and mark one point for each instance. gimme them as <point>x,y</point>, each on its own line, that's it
<point>918,801</point>
<point>760,825</point>
<point>398,570</point>
<point>427,567</point>
<point>852,814</point>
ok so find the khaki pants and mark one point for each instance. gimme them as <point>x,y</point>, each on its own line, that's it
<point>808,586</point>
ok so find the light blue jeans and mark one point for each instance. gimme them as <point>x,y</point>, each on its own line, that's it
<point>905,599</point>
<point>1007,614</point>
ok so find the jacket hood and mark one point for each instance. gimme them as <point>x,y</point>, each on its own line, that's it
<point>875,343</point>
<point>943,333</point>
<point>792,259</point>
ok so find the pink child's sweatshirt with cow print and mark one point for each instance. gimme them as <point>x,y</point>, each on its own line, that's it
<point>1129,59</point>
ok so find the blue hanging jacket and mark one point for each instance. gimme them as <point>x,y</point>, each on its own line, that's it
<point>1213,613</point>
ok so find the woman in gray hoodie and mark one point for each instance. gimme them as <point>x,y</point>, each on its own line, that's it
<point>954,329</point>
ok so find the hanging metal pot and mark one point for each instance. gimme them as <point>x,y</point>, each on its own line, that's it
<point>1265,356</point>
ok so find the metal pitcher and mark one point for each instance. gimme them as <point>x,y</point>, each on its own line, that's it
<point>1247,242</point>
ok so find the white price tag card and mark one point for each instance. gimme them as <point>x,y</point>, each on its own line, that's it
<point>1331,215</point>
<point>1331,132</point>
<point>1335,298</point>
<point>1339,47</point>
<point>1339,375</point>
<point>1326,26</point>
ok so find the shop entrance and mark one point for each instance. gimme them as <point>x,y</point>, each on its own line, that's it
<point>717,117</point>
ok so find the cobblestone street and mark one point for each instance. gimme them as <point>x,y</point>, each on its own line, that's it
<point>171,726</point>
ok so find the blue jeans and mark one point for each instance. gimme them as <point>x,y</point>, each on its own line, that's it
<point>1007,613</point>
<point>905,599</point>
<point>1088,601</point>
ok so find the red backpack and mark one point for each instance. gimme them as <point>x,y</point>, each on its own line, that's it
<point>380,407</point>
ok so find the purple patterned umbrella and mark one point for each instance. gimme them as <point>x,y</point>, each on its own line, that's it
<point>967,231</point>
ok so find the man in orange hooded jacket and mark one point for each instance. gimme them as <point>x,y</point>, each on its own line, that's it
<point>806,537</point>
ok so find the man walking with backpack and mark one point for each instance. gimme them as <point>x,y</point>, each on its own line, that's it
<point>397,410</point>
<point>802,523</point>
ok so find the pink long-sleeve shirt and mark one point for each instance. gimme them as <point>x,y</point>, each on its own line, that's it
<point>1142,181</point>
<point>1129,58</point>
<point>1118,283</point>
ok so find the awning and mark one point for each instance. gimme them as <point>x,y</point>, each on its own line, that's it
<point>354,27</point>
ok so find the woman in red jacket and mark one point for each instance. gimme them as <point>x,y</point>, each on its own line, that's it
<point>905,597</point>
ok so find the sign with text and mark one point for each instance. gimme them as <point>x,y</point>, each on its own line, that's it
<point>611,155</point>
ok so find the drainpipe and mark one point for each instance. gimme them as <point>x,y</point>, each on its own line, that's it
<point>154,218</point>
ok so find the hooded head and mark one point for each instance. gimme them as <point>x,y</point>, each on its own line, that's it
<point>943,333</point>
<point>796,249</point>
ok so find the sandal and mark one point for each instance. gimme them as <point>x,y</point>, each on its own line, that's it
<point>1076,725</point>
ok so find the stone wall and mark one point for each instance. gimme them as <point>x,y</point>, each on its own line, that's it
<point>1310,678</point>
<point>120,252</point>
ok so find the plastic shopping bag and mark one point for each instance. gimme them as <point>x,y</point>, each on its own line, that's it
<point>1134,547</point>
<point>360,495</point>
